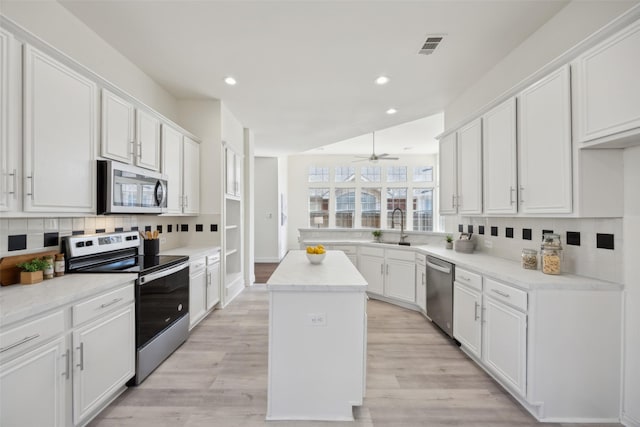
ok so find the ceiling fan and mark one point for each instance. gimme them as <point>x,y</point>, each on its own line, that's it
<point>375,157</point>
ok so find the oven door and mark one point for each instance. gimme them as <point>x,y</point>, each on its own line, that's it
<point>162,298</point>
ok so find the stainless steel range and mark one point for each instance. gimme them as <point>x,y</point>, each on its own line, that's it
<point>162,291</point>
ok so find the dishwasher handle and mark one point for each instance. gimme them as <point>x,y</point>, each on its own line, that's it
<point>445,270</point>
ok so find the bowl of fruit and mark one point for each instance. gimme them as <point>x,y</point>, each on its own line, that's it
<point>315,254</point>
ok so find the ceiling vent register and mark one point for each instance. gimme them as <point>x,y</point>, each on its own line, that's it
<point>430,44</point>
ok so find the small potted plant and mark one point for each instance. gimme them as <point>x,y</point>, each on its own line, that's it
<point>32,271</point>
<point>377,234</point>
<point>449,239</point>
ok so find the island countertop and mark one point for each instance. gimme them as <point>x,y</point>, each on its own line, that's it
<point>336,273</point>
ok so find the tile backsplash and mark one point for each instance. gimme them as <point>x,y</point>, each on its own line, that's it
<point>591,247</point>
<point>27,235</point>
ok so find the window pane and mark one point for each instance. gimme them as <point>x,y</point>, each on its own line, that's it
<point>319,206</point>
<point>423,174</point>
<point>370,201</point>
<point>397,174</point>
<point>345,207</point>
<point>422,209</point>
<point>370,173</point>
<point>317,174</point>
<point>345,174</point>
<point>396,198</point>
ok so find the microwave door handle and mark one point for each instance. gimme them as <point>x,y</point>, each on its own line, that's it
<point>160,193</point>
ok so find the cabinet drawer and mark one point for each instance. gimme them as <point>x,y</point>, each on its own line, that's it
<point>367,250</point>
<point>196,266</point>
<point>30,334</point>
<point>468,278</point>
<point>102,304</point>
<point>401,255</point>
<point>512,296</point>
<point>213,258</point>
<point>421,260</point>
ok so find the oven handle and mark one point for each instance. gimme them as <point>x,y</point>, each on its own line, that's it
<point>153,276</point>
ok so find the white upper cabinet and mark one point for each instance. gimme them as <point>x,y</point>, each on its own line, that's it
<point>172,165</point>
<point>469,198</point>
<point>544,130</point>
<point>448,174</point>
<point>118,128</point>
<point>191,176</point>
<point>148,140</point>
<point>607,87</point>
<point>60,136</point>
<point>499,159</point>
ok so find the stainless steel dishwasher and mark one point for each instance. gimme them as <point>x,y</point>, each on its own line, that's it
<point>440,277</point>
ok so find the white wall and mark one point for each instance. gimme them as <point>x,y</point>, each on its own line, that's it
<point>267,208</point>
<point>631,226</point>
<point>62,30</point>
<point>232,130</point>
<point>567,28</point>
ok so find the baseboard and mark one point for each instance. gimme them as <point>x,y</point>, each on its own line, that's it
<point>628,421</point>
<point>267,259</point>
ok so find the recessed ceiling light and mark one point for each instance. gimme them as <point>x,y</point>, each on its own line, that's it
<point>392,111</point>
<point>382,80</point>
<point>230,81</point>
<point>407,148</point>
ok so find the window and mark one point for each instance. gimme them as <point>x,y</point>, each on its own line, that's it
<point>317,174</point>
<point>345,207</point>
<point>423,174</point>
<point>423,209</point>
<point>319,206</point>
<point>345,174</point>
<point>370,201</point>
<point>397,174</point>
<point>371,173</point>
<point>396,198</point>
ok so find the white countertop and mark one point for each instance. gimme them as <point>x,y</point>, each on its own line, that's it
<point>494,267</point>
<point>336,273</point>
<point>191,251</point>
<point>17,302</point>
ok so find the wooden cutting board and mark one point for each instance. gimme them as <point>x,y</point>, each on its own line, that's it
<point>9,273</point>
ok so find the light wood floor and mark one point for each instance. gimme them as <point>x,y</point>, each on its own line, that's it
<point>415,377</point>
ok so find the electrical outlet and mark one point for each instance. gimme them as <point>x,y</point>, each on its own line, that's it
<point>316,319</point>
<point>488,243</point>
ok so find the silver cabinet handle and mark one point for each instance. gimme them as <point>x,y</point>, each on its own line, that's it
<point>521,197</point>
<point>67,361</point>
<point>208,279</point>
<point>511,191</point>
<point>15,183</point>
<point>466,279</point>
<point>140,150</point>
<point>110,303</point>
<point>31,186</point>
<point>475,315</point>
<point>81,364</point>
<point>387,269</point>
<point>453,200</point>
<point>381,268</point>
<point>133,148</point>
<point>22,341</point>
<point>501,293</point>
<point>423,282</point>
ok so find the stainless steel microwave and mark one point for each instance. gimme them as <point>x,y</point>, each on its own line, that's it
<point>124,188</point>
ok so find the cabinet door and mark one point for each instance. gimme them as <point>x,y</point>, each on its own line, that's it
<point>230,168</point>
<point>608,88</point>
<point>545,145</point>
<point>148,138</point>
<point>118,126</point>
<point>197,297</point>
<point>448,175</point>
<point>469,199</point>
<point>10,122</point>
<point>59,130</point>
<point>499,159</point>
<point>238,175</point>
<point>505,344</point>
<point>191,176</point>
<point>172,167</point>
<point>213,285</point>
<point>421,287</point>
<point>467,324</point>
<point>104,360</point>
<point>33,387</point>
<point>400,280</point>
<point>372,269</point>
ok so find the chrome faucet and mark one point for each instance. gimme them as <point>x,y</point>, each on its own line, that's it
<point>393,223</point>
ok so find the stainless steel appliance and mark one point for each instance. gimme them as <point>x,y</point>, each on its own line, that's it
<point>124,188</point>
<point>162,291</point>
<point>440,277</point>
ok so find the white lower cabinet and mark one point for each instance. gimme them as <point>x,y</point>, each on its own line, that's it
<point>389,273</point>
<point>372,269</point>
<point>213,280</point>
<point>421,282</point>
<point>38,378</point>
<point>197,291</point>
<point>467,324</point>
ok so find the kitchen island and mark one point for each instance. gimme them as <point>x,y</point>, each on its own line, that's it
<point>317,338</point>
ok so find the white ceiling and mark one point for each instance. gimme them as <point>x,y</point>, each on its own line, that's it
<point>306,69</point>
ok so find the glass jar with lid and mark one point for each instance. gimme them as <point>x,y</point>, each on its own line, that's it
<point>530,259</point>
<point>551,253</point>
